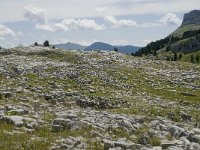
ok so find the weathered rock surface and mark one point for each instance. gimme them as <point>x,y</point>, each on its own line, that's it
<point>97,100</point>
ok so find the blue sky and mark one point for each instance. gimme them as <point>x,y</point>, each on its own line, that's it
<point>119,22</point>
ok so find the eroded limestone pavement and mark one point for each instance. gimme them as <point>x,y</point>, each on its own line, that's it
<point>97,100</point>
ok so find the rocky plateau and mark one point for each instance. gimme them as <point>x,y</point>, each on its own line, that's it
<point>54,99</point>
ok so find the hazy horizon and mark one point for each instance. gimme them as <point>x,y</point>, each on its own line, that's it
<point>117,22</point>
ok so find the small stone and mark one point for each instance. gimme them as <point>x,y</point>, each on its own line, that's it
<point>196,139</point>
<point>175,148</point>
<point>108,144</point>
<point>36,106</point>
<point>133,137</point>
<point>64,146</point>
<point>124,145</point>
<point>195,146</point>
<point>185,117</point>
<point>157,148</point>
<point>115,148</point>
<point>16,120</point>
<point>177,131</point>
<point>144,140</point>
<point>7,94</point>
<point>1,113</point>
<point>185,141</point>
<point>69,116</point>
<point>165,144</point>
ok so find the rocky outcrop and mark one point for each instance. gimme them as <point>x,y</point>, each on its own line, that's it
<point>185,39</point>
<point>192,17</point>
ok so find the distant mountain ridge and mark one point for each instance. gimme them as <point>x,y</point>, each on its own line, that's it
<point>99,46</point>
<point>128,49</point>
<point>70,46</point>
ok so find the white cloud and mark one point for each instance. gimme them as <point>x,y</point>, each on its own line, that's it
<point>149,25</point>
<point>120,23</point>
<point>66,25</point>
<point>170,19</point>
<point>38,16</point>
<point>2,39</point>
<point>35,14</point>
<point>78,9</point>
<point>129,23</point>
<point>89,24</point>
<point>8,34</point>
<point>73,24</point>
<point>45,27</point>
<point>101,9</point>
<point>20,34</point>
<point>5,31</point>
<point>167,20</point>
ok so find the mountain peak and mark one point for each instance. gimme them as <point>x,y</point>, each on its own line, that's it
<point>104,46</point>
<point>70,46</point>
<point>100,46</point>
<point>192,17</point>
